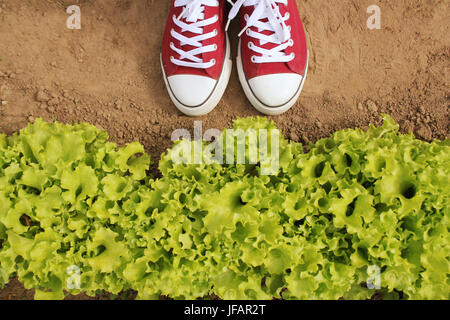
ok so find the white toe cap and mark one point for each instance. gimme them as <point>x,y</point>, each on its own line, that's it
<point>191,90</point>
<point>275,90</point>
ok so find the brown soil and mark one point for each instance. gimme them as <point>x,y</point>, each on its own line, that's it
<point>109,74</point>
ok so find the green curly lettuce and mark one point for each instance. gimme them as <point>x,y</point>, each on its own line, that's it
<point>362,212</point>
<point>61,206</point>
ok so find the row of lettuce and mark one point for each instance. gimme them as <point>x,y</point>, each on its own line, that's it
<point>359,213</point>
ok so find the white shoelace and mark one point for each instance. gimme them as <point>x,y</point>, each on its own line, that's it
<point>194,15</point>
<point>276,23</point>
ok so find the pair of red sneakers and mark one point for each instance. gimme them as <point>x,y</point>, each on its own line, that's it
<point>272,58</point>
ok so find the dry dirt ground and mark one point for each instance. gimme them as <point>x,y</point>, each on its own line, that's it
<point>108,73</point>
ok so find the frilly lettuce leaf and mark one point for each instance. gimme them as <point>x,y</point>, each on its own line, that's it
<point>356,201</point>
<point>107,252</point>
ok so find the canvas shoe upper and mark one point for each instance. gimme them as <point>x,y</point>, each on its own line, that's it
<point>273,57</point>
<point>195,55</point>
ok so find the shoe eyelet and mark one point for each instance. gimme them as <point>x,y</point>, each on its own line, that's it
<point>247,32</point>
<point>250,45</point>
<point>253,59</point>
<point>172,58</point>
<point>216,16</point>
<point>291,42</point>
<point>293,55</point>
<point>289,28</point>
<point>215,47</point>
<point>216,32</point>
<point>246,17</point>
<point>213,61</point>
<point>287,16</point>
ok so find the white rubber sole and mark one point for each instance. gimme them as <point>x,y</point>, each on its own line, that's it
<point>214,98</point>
<point>257,104</point>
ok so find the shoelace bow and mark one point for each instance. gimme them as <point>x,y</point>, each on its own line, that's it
<point>194,15</point>
<point>276,23</point>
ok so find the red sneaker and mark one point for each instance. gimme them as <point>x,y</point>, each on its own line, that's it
<point>273,57</point>
<point>195,55</point>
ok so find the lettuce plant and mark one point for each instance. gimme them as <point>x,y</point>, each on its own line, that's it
<point>359,208</point>
<point>63,194</point>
